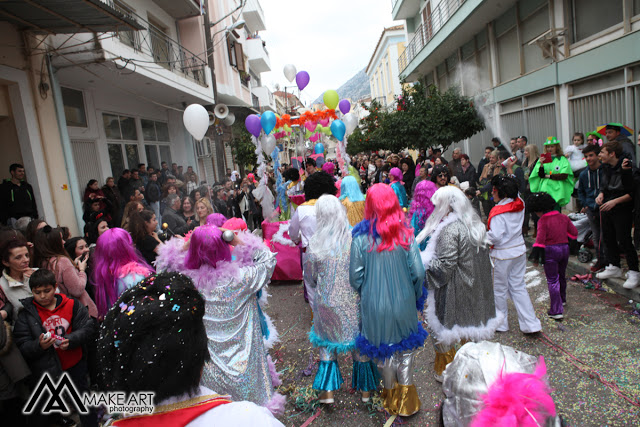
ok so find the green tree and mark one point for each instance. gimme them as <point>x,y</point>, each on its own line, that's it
<point>424,118</point>
<point>363,137</point>
<point>242,146</point>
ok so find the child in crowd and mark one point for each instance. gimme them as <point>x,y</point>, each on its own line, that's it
<point>473,198</point>
<point>69,327</point>
<point>554,230</point>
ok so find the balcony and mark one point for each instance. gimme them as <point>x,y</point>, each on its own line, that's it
<point>254,16</point>
<point>154,45</point>
<point>258,55</point>
<point>179,9</point>
<point>265,98</point>
<point>403,9</point>
<point>427,30</point>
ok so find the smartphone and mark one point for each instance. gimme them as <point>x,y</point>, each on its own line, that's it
<point>84,256</point>
<point>547,158</point>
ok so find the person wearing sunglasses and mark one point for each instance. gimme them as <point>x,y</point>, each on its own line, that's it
<point>440,176</point>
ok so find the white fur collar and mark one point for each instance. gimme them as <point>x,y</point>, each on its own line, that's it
<point>430,251</point>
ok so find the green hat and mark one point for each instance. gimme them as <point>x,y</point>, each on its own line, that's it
<point>596,134</point>
<point>551,140</point>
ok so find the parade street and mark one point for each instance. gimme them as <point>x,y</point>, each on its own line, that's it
<point>592,358</point>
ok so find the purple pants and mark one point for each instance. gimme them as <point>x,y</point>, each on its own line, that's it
<point>555,267</point>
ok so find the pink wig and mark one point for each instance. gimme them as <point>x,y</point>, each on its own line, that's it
<point>421,202</point>
<point>383,210</point>
<point>396,174</point>
<point>216,219</point>
<point>235,224</point>
<point>329,168</point>
<point>111,261</point>
<point>517,400</point>
<point>206,247</point>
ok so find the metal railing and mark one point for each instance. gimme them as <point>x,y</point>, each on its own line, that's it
<point>427,30</point>
<point>163,50</point>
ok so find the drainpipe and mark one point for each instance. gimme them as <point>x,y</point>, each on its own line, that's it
<point>76,197</point>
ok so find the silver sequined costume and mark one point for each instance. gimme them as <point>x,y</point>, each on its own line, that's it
<point>238,358</point>
<point>460,305</point>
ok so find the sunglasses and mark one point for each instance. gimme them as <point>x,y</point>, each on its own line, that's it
<point>443,175</point>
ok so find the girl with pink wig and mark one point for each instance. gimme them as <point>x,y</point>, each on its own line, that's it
<point>239,362</point>
<point>395,175</point>
<point>117,266</point>
<point>421,207</point>
<point>386,270</point>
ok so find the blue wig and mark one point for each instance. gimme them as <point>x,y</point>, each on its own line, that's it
<point>350,188</point>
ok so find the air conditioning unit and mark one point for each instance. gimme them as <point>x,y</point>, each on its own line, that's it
<point>203,147</point>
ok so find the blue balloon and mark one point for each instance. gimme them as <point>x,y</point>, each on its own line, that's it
<point>318,148</point>
<point>268,121</point>
<point>338,129</point>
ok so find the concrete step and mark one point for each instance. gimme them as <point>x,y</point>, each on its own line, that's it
<point>576,267</point>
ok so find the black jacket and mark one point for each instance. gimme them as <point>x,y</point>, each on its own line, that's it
<point>617,182</point>
<point>153,192</point>
<point>27,330</point>
<point>175,222</point>
<point>17,201</point>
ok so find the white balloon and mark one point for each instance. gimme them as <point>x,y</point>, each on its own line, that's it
<point>196,120</point>
<point>350,122</point>
<point>269,144</point>
<point>290,72</point>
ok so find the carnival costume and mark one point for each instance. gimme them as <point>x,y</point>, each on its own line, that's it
<point>542,178</point>
<point>460,306</point>
<point>508,253</point>
<point>421,207</point>
<point>336,321</point>
<point>352,199</point>
<point>239,361</point>
<point>389,278</point>
<point>398,187</point>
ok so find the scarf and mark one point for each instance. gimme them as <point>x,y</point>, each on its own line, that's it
<point>516,206</point>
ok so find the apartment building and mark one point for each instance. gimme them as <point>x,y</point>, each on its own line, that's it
<point>382,69</point>
<point>535,67</point>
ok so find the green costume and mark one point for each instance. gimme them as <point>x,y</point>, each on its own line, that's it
<point>560,190</point>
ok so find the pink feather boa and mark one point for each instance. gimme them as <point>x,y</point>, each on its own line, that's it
<point>276,404</point>
<point>133,268</point>
<point>171,257</point>
<point>517,400</point>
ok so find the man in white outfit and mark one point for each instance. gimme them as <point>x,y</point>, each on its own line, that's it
<point>508,253</point>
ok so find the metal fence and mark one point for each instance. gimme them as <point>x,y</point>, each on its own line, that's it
<point>163,50</point>
<point>591,111</point>
<point>427,30</point>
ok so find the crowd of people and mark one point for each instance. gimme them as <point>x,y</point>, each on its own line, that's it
<point>97,306</point>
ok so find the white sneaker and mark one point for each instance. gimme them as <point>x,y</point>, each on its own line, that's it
<point>609,272</point>
<point>633,280</point>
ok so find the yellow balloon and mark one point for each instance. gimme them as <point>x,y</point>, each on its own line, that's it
<point>331,99</point>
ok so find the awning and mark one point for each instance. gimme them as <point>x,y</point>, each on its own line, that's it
<point>66,16</point>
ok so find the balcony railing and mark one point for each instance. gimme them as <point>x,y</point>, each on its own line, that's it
<point>427,30</point>
<point>162,49</point>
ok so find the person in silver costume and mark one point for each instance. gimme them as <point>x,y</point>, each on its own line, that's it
<point>460,306</point>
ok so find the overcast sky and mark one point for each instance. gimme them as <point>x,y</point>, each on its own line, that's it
<point>330,39</point>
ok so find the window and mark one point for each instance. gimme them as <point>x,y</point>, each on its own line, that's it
<point>119,127</point>
<point>156,154</point>
<point>130,38</point>
<point>589,17</point>
<point>154,131</point>
<point>74,111</point>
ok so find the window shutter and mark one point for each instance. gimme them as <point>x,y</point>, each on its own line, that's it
<point>239,57</point>
<point>232,61</point>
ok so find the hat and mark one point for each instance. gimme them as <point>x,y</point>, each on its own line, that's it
<point>614,126</point>
<point>551,140</point>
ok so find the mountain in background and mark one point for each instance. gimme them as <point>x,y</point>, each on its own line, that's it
<point>355,88</point>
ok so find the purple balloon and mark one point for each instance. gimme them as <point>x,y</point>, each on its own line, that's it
<point>345,106</point>
<point>252,123</point>
<point>302,79</point>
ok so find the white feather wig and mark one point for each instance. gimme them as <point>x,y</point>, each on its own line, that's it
<point>332,232</point>
<point>451,199</point>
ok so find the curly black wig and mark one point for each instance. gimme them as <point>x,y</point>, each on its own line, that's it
<point>317,184</point>
<point>437,171</point>
<point>506,186</point>
<point>153,338</point>
<point>540,202</point>
<point>291,174</point>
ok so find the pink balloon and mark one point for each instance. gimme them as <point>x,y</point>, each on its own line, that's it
<point>324,122</point>
<point>302,79</point>
<point>314,137</point>
<point>345,106</point>
<point>311,126</point>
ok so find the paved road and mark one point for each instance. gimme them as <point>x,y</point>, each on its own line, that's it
<point>596,343</point>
